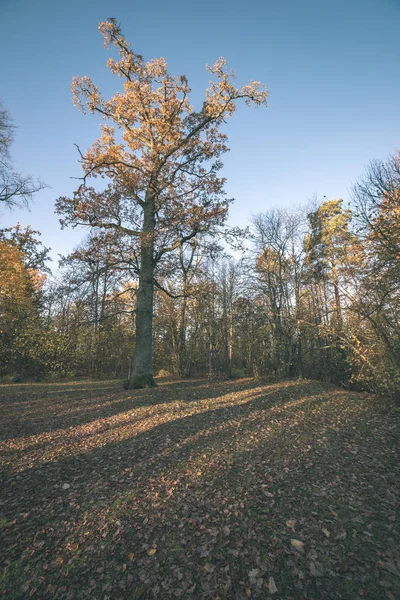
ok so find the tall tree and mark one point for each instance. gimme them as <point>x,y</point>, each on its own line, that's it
<point>376,196</point>
<point>377,200</point>
<point>21,283</point>
<point>162,165</point>
<point>277,279</point>
<point>331,261</point>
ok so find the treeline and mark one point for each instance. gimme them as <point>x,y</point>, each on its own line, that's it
<point>315,294</point>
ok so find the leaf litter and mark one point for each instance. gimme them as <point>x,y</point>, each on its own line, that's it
<point>230,489</point>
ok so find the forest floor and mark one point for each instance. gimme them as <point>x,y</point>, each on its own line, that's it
<point>223,490</point>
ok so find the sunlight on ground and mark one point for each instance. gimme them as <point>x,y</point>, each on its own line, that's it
<point>194,485</point>
<point>52,446</point>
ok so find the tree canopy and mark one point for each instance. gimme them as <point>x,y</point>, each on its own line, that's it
<point>161,159</point>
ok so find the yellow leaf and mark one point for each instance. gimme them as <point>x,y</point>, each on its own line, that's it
<point>298,545</point>
<point>291,523</point>
<point>131,556</point>
<point>152,551</point>
<point>325,532</point>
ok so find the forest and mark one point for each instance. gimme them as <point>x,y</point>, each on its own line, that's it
<point>314,295</point>
<point>162,284</point>
<point>190,408</point>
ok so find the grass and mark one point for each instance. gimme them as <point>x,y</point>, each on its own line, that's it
<point>229,490</point>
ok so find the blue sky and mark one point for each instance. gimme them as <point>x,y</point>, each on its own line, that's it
<point>332,69</point>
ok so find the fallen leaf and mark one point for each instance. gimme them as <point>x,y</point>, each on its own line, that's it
<point>291,523</point>
<point>66,486</point>
<point>253,573</point>
<point>326,532</point>
<point>131,556</point>
<point>272,586</point>
<point>152,552</point>
<point>381,564</point>
<point>298,545</point>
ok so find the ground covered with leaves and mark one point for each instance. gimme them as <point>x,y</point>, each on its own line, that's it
<point>223,490</point>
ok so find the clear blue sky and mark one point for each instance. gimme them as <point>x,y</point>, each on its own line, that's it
<point>331,66</point>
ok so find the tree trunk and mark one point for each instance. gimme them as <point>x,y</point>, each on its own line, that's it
<point>182,354</point>
<point>182,339</point>
<point>230,344</point>
<point>142,374</point>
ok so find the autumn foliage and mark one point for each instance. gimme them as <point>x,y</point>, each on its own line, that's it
<point>161,159</point>
<point>311,293</point>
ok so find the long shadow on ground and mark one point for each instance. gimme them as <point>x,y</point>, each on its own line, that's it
<point>196,490</point>
<point>36,408</point>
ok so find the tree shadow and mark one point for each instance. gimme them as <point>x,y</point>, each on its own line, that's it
<point>178,436</point>
<point>31,411</point>
<point>178,484</point>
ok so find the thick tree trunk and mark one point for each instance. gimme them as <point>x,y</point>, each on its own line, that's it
<point>142,374</point>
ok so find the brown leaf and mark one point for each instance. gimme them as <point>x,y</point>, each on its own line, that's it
<point>381,564</point>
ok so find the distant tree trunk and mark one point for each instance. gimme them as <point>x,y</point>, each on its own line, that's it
<point>142,375</point>
<point>182,360</point>
<point>230,343</point>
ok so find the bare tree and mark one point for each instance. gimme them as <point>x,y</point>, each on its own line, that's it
<point>16,190</point>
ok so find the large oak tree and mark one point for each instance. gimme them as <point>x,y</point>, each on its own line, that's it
<point>161,160</point>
